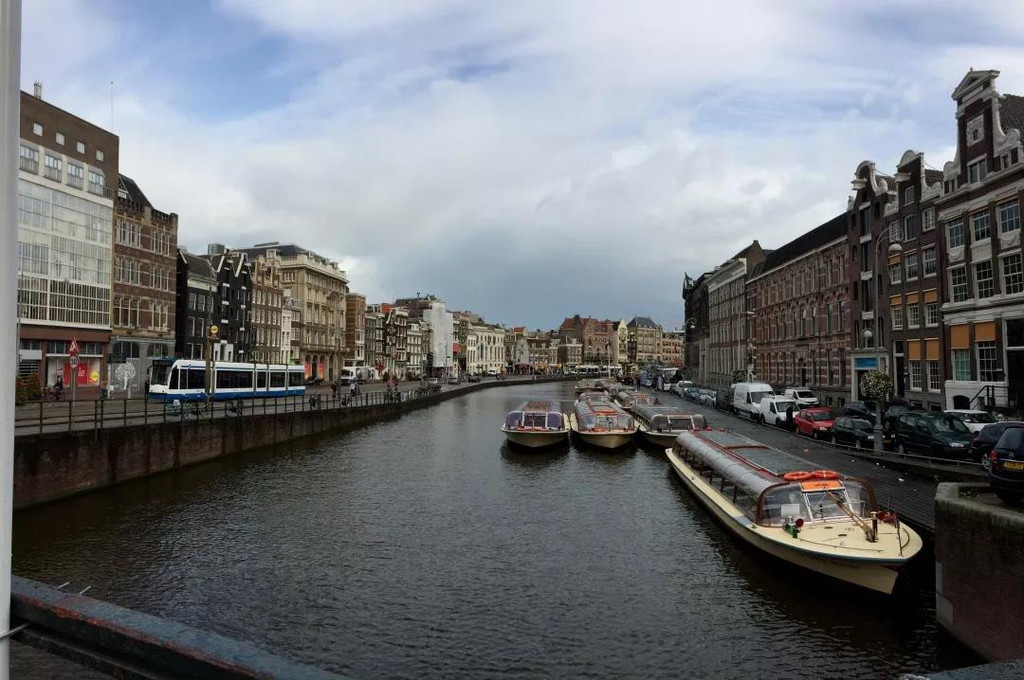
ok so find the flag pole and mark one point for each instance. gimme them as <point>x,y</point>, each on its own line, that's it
<point>10,100</point>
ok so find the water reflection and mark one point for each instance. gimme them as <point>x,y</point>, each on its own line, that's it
<point>533,459</point>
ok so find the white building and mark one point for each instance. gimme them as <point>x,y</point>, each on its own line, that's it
<point>485,349</point>
<point>442,337</point>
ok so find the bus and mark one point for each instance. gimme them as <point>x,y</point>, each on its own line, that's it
<point>185,380</point>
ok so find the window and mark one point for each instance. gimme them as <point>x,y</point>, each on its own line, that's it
<point>37,129</point>
<point>1009,217</point>
<point>976,171</point>
<point>910,227</point>
<point>956,233</point>
<point>958,283</point>
<point>911,262</point>
<point>897,317</point>
<point>29,159</point>
<point>95,182</point>
<point>988,368</point>
<point>895,272</point>
<point>54,168</point>
<point>1013,274</point>
<point>931,314</point>
<point>913,315</point>
<point>908,195</point>
<point>76,176</point>
<point>984,284</point>
<point>60,139</point>
<point>930,263</point>
<point>99,155</point>
<point>894,232</point>
<point>980,226</point>
<point>934,384</point>
<point>961,364</point>
<point>928,219</point>
<point>915,375</point>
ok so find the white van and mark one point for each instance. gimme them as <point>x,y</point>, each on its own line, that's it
<point>773,411</point>
<point>802,396</point>
<point>747,396</point>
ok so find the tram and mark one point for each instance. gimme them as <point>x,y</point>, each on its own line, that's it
<point>185,380</point>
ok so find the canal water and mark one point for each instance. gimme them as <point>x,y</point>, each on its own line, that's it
<point>422,547</point>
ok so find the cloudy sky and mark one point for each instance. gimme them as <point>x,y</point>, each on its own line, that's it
<point>527,160</point>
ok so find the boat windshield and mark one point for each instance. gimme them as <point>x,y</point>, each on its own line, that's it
<point>792,501</point>
<point>692,422</point>
<point>513,419</point>
<point>555,421</point>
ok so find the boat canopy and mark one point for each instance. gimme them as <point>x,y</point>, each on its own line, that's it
<point>595,415</point>
<point>595,397</point>
<point>669,418</point>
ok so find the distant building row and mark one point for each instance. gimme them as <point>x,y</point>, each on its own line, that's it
<point>921,277</point>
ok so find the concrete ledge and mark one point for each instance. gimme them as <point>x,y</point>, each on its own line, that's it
<point>979,590</point>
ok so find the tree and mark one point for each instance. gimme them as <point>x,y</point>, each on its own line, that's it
<point>19,391</point>
<point>876,385</point>
<point>33,390</point>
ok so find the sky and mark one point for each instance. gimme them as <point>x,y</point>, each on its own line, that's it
<point>526,160</point>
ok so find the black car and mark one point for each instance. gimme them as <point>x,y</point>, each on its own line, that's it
<point>723,400</point>
<point>474,378</point>
<point>855,431</point>
<point>1006,466</point>
<point>861,409</point>
<point>985,440</point>
<point>932,434</point>
<point>893,413</point>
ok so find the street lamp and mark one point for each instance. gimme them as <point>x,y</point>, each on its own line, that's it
<point>894,249</point>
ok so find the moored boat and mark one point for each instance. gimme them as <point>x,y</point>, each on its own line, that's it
<point>601,424</point>
<point>662,424</point>
<point>536,424</point>
<point>587,385</point>
<point>819,520</point>
<point>630,399</point>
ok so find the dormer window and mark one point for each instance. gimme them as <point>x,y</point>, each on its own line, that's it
<point>977,171</point>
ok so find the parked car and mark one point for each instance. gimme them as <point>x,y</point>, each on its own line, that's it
<point>454,380</point>
<point>680,388</point>
<point>815,422</point>
<point>1006,466</point>
<point>691,394</point>
<point>747,398</point>
<point>433,382</point>
<point>893,413</point>
<point>474,378</point>
<point>974,419</point>
<point>932,434</point>
<point>707,398</point>
<point>802,396</point>
<point>775,410</point>
<point>856,431</point>
<point>985,441</point>
<point>861,409</point>
<point>723,402</point>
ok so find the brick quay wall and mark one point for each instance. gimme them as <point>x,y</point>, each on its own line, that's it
<point>56,465</point>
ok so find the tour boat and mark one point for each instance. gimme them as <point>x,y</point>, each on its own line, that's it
<point>587,385</point>
<point>630,399</point>
<point>601,424</point>
<point>535,424</point>
<point>662,424</point>
<point>819,519</point>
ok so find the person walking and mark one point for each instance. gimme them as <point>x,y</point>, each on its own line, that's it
<point>789,417</point>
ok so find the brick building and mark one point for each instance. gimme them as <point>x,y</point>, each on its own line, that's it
<point>695,304</point>
<point>644,343</point>
<point>231,304</point>
<point>195,290</point>
<point>264,315</point>
<point>728,354</point>
<point>979,216</point>
<point>799,299</point>
<point>145,249</point>
<point>355,330</point>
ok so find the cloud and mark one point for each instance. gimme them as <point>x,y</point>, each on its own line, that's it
<point>526,160</point>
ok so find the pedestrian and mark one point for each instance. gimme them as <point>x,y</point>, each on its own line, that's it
<point>353,388</point>
<point>145,387</point>
<point>789,416</point>
<point>58,389</point>
<point>334,388</point>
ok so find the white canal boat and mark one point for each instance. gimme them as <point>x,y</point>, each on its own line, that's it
<point>662,424</point>
<point>818,520</point>
<point>536,424</point>
<point>601,424</point>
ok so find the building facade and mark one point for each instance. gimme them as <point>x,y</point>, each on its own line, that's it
<point>644,343</point>
<point>979,217</point>
<point>417,357</point>
<point>145,249</point>
<point>800,328</point>
<point>673,348</point>
<point>355,330</point>
<point>396,339</point>
<point>196,290</point>
<point>485,349</point>
<point>374,338</point>
<point>264,315</point>
<point>291,316</point>
<point>319,286</point>
<point>67,182</point>
<point>231,304</point>
<point>728,351</point>
<point>695,304</point>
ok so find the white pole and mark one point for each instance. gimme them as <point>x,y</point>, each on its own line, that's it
<point>10,101</point>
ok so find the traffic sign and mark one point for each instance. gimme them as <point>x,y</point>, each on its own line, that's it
<point>74,351</point>
<point>73,361</point>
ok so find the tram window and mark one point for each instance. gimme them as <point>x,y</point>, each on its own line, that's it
<point>234,380</point>
<point>173,384</point>
<point>295,379</point>
<point>277,379</point>
<point>261,379</point>
<point>196,379</point>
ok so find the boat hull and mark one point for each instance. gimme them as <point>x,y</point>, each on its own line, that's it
<point>875,574</point>
<point>536,439</point>
<point>600,440</point>
<point>663,439</point>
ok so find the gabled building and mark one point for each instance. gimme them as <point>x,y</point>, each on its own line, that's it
<point>196,293</point>
<point>355,330</point>
<point>231,304</point>
<point>264,315</point>
<point>644,343</point>
<point>695,304</point>
<point>728,353</point>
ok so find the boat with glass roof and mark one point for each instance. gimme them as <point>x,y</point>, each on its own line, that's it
<point>662,424</point>
<point>630,399</point>
<point>601,424</point>
<point>587,385</point>
<point>536,424</point>
<point>817,519</point>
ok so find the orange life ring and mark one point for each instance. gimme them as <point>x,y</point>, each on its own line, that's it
<point>798,476</point>
<point>825,474</point>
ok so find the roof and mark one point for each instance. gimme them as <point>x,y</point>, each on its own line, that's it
<point>1011,112</point>
<point>642,322</point>
<point>932,176</point>
<point>134,193</point>
<point>197,265</point>
<point>832,230</point>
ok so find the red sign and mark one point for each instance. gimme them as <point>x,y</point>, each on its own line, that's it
<point>79,373</point>
<point>74,351</point>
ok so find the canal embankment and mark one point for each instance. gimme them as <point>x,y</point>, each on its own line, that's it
<point>49,465</point>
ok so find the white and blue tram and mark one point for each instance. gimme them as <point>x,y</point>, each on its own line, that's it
<point>185,379</point>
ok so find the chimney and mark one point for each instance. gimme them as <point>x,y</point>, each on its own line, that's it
<point>37,89</point>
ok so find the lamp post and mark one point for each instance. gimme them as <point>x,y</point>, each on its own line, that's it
<point>894,249</point>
